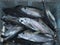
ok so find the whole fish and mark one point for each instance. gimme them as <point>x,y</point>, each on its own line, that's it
<point>37,26</point>
<point>31,36</point>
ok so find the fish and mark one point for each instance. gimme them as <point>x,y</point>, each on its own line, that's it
<point>23,11</point>
<point>31,12</point>
<point>32,37</point>
<point>11,31</point>
<point>37,26</point>
<point>10,19</point>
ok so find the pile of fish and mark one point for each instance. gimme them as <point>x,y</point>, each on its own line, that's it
<point>29,24</point>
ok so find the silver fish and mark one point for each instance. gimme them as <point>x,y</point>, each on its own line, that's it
<point>34,25</point>
<point>24,11</point>
<point>31,11</point>
<point>11,19</point>
<point>11,32</point>
<point>31,36</point>
<point>51,18</point>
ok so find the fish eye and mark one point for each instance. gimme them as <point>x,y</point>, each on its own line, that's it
<point>21,20</point>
